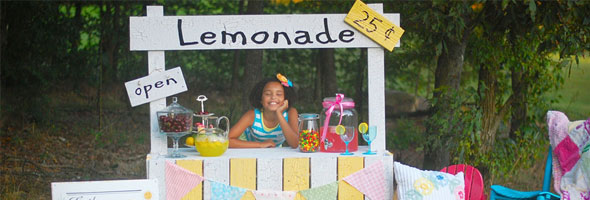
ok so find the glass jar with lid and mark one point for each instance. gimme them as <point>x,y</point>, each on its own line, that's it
<point>175,121</point>
<point>338,110</point>
<point>309,135</point>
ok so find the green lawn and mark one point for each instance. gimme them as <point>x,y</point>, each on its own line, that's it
<point>575,93</point>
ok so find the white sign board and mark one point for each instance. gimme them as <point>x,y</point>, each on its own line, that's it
<point>246,32</point>
<point>141,189</point>
<point>155,86</point>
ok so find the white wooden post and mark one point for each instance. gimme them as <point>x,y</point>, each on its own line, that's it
<point>159,142</point>
<point>156,64</point>
<point>376,85</point>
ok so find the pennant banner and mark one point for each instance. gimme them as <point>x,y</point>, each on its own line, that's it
<point>224,191</point>
<point>179,181</point>
<point>272,195</point>
<point>370,181</point>
<point>325,192</point>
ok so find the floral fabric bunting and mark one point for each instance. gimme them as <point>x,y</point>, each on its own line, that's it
<point>223,191</point>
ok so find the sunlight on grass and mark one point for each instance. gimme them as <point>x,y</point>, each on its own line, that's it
<point>574,100</point>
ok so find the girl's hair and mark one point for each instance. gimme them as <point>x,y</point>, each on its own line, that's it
<point>256,93</point>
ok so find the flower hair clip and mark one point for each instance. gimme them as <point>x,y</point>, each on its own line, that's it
<point>286,82</point>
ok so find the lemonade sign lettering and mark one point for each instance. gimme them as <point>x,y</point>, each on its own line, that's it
<point>374,25</point>
<point>155,86</point>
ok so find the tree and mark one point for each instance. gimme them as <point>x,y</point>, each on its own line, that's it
<point>253,65</point>
<point>509,45</point>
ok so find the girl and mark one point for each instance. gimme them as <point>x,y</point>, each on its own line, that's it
<point>272,121</point>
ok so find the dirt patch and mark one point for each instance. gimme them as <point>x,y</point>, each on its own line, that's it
<point>71,147</point>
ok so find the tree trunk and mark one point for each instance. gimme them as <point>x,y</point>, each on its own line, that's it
<point>519,106</point>
<point>446,81</point>
<point>492,113</point>
<point>361,73</point>
<point>253,65</point>
<point>237,67</point>
<point>328,73</point>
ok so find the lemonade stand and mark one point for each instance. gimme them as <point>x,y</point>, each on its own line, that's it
<point>254,172</point>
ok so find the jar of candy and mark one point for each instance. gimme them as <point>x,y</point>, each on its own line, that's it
<point>338,110</point>
<point>309,137</point>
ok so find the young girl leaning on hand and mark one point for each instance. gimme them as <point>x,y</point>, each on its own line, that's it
<point>273,119</point>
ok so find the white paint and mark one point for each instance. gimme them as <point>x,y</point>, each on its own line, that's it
<point>280,152</point>
<point>376,87</point>
<point>155,86</point>
<point>105,190</point>
<point>216,170</point>
<point>159,145</point>
<point>156,169</point>
<point>269,173</point>
<point>163,33</point>
<point>323,170</point>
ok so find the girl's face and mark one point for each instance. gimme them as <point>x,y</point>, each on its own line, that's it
<point>273,96</point>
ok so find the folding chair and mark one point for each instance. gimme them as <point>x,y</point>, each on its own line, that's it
<point>501,192</point>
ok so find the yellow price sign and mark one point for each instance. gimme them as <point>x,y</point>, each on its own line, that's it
<point>374,25</point>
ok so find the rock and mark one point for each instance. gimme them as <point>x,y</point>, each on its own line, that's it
<point>398,103</point>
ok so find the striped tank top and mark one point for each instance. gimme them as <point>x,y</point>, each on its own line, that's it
<point>258,132</point>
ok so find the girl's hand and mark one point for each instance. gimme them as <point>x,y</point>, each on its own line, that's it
<point>267,144</point>
<point>283,107</point>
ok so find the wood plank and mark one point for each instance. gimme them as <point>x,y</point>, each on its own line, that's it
<point>296,175</point>
<point>195,166</point>
<point>270,174</point>
<point>346,167</point>
<point>243,175</point>
<point>156,169</point>
<point>215,170</point>
<point>199,32</point>
<point>323,171</point>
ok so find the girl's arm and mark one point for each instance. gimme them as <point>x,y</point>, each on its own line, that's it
<point>290,128</point>
<point>237,130</point>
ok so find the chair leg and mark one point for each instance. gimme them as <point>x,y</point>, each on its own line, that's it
<point>492,195</point>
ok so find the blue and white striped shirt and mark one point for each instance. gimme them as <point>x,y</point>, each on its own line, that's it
<point>258,132</point>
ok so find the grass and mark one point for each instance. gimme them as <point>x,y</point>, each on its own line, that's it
<point>573,98</point>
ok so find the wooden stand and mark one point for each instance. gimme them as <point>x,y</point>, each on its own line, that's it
<point>262,168</point>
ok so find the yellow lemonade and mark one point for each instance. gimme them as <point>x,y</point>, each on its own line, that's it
<point>211,145</point>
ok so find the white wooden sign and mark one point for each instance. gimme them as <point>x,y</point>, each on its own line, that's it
<point>140,189</point>
<point>155,86</point>
<point>246,32</point>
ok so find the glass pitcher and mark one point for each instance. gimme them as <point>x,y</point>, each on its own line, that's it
<point>309,137</point>
<point>211,140</point>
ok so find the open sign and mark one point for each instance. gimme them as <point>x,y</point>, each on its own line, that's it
<point>155,86</point>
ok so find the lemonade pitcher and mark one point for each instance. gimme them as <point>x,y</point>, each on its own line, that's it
<point>211,140</point>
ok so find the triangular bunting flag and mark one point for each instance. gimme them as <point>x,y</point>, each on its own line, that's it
<point>272,195</point>
<point>223,191</point>
<point>179,181</point>
<point>324,192</point>
<point>370,181</point>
